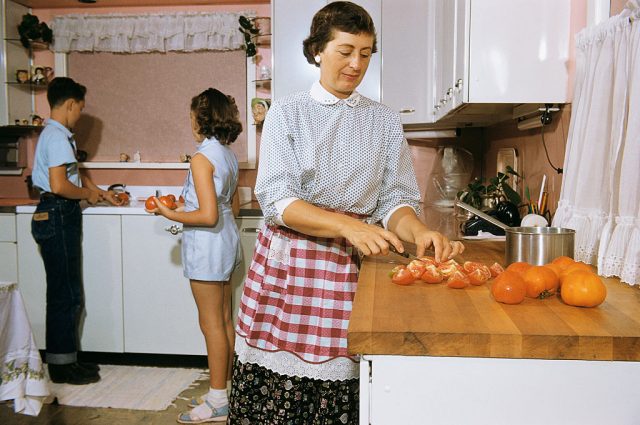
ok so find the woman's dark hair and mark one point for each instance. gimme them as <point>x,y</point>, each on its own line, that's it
<point>217,115</point>
<point>337,16</point>
<point>62,88</point>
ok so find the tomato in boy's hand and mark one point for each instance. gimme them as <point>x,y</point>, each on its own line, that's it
<point>122,198</point>
<point>150,203</point>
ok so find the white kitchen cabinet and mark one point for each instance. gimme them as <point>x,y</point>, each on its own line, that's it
<point>291,20</point>
<point>249,228</point>
<point>8,249</point>
<point>466,390</point>
<point>500,52</point>
<point>101,326</point>
<point>160,314</point>
<point>407,72</point>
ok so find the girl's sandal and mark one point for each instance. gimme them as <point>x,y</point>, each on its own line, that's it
<point>204,413</point>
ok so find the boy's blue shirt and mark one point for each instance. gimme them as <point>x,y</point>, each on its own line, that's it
<point>55,147</point>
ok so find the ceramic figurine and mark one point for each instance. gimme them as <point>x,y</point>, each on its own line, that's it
<point>38,76</point>
<point>124,157</point>
<point>22,76</point>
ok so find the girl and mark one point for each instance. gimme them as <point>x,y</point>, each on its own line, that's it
<point>210,240</point>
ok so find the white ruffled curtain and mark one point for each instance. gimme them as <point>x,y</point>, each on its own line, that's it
<point>600,195</point>
<point>120,33</point>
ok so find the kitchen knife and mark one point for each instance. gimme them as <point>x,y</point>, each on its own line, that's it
<point>430,252</point>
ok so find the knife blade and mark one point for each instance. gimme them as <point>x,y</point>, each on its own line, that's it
<point>458,258</point>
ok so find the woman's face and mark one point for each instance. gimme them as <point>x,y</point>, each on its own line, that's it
<point>344,61</point>
<point>195,129</point>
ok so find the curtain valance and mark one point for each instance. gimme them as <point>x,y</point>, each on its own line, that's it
<point>123,33</point>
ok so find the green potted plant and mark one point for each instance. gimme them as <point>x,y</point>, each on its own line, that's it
<point>31,31</point>
<point>485,196</point>
<point>250,32</point>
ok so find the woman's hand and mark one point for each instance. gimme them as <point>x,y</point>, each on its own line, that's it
<point>443,248</point>
<point>370,239</point>
<point>110,196</point>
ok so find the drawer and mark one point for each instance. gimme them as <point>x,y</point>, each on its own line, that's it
<point>7,227</point>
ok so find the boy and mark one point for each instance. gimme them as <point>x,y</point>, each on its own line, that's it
<point>57,229</point>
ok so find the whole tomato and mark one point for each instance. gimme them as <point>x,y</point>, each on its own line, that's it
<point>583,289</point>
<point>150,203</point>
<point>403,277</point>
<point>168,202</point>
<point>541,282</point>
<point>172,196</point>
<point>509,288</point>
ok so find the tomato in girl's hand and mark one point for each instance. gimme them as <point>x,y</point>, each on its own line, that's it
<point>168,202</point>
<point>150,203</point>
<point>403,277</point>
<point>173,197</point>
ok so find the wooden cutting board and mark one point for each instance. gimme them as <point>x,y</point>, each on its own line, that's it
<point>434,320</point>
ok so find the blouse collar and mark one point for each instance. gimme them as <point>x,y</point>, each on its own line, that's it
<point>320,94</point>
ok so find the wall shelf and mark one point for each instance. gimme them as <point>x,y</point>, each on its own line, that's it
<point>150,165</point>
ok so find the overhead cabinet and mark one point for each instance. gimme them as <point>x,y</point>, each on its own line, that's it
<point>451,60</point>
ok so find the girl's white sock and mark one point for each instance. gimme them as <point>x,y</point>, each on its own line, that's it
<point>217,398</point>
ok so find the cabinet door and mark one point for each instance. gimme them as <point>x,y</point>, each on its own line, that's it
<point>290,20</point>
<point>160,314</point>
<point>102,328</point>
<point>406,43</point>
<point>8,249</point>
<point>31,278</point>
<point>445,38</point>
<point>519,51</point>
<point>459,83</point>
<point>101,325</point>
<point>249,228</point>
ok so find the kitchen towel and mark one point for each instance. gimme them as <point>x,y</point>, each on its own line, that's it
<point>129,387</point>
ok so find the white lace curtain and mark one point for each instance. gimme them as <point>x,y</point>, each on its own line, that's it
<point>120,33</point>
<point>600,195</point>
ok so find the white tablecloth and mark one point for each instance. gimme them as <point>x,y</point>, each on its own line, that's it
<point>22,377</point>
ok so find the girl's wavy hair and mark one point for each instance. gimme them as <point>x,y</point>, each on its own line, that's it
<point>217,115</point>
<point>337,16</point>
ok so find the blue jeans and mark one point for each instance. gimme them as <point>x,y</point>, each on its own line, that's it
<point>57,229</point>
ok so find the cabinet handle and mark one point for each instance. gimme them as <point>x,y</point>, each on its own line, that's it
<point>459,84</point>
<point>174,229</point>
<point>407,111</point>
<point>450,92</point>
<point>250,230</point>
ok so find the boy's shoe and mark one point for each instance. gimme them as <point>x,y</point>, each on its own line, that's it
<point>218,414</point>
<point>92,367</point>
<point>71,373</point>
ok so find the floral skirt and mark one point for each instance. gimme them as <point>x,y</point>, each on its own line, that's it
<point>260,396</point>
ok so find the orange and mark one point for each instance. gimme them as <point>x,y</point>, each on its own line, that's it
<point>563,261</point>
<point>541,282</point>
<point>518,267</point>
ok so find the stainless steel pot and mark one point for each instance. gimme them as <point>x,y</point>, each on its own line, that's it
<point>535,245</point>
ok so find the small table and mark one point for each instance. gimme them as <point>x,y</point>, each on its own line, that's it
<point>22,377</point>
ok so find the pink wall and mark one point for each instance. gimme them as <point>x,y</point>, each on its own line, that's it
<point>14,186</point>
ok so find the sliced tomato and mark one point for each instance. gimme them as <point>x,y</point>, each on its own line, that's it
<point>403,277</point>
<point>428,260</point>
<point>432,274</point>
<point>458,280</point>
<point>496,269</point>
<point>449,267</point>
<point>416,267</point>
<point>395,270</point>
<point>477,277</point>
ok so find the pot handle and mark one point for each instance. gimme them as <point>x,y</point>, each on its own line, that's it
<point>482,215</point>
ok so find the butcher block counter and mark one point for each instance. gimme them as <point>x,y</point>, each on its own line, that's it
<point>434,320</point>
<point>426,348</point>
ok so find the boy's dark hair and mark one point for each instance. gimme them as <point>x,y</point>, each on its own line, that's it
<point>337,16</point>
<point>217,115</point>
<point>62,88</point>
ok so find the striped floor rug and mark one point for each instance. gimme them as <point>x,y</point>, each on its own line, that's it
<point>129,387</point>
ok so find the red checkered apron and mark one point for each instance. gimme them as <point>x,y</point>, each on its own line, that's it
<point>298,294</point>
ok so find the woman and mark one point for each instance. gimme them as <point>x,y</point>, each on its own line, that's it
<point>332,164</point>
